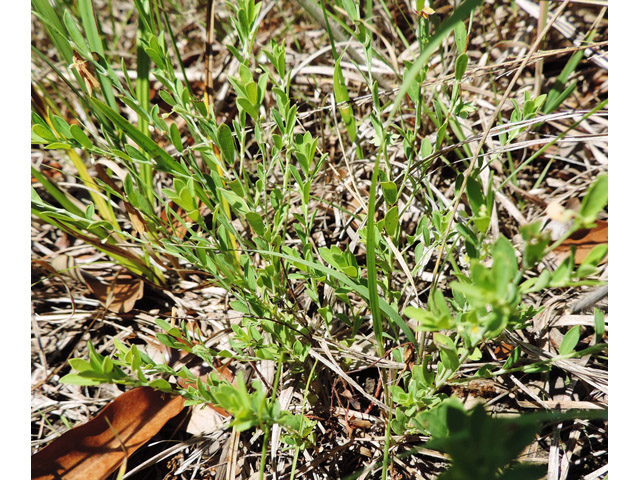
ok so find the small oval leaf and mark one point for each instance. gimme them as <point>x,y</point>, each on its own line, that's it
<point>570,341</point>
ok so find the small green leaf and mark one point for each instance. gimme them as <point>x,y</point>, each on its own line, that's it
<point>41,132</point>
<point>158,121</point>
<point>333,256</point>
<point>81,137</point>
<point>174,135</point>
<point>589,265</point>
<point>248,107</point>
<point>305,150</point>
<point>58,145</point>
<point>227,147</point>
<point>235,201</point>
<point>74,33</point>
<point>107,365</point>
<point>598,321</point>
<point>391,221</point>
<point>442,130</point>
<point>342,95</point>
<point>595,200</point>
<point>536,284</point>
<point>536,243</point>
<point>444,341</point>
<point>350,270</point>
<point>161,384</point>
<point>390,192</point>
<point>562,275</point>
<point>156,56</point>
<point>163,325</point>
<point>536,368</point>
<point>90,211</point>
<point>77,379</point>
<point>460,33</point>
<point>256,222</point>
<point>505,264</point>
<point>438,317</point>
<point>167,97</point>
<point>475,195</point>
<point>449,359</point>
<point>61,126</point>
<point>475,355</point>
<point>239,306</point>
<point>513,358</point>
<point>79,364</point>
<point>570,341</point>
<point>425,148</point>
<point>171,342</point>
<point>121,347</point>
<point>461,65</point>
<point>351,9</point>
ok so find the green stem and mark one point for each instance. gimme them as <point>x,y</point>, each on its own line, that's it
<point>142,94</point>
<point>263,455</point>
<point>387,433</point>
<point>304,402</point>
<point>276,381</point>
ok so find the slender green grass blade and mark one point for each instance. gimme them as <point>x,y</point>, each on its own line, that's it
<point>372,272</point>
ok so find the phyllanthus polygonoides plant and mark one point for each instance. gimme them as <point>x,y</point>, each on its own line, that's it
<point>239,203</point>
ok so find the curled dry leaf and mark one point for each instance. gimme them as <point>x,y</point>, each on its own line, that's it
<point>426,12</point>
<point>585,240</point>
<point>94,450</point>
<point>137,220</point>
<point>86,71</point>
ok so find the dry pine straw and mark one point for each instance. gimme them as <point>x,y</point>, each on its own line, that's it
<point>66,316</point>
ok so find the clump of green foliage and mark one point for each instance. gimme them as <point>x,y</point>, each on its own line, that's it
<point>257,180</point>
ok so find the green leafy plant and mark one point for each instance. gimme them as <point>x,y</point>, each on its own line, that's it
<point>240,203</point>
<point>482,446</point>
<point>489,300</point>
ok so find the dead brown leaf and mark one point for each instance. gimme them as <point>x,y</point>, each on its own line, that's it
<point>85,70</point>
<point>93,450</point>
<point>120,295</point>
<point>585,240</point>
